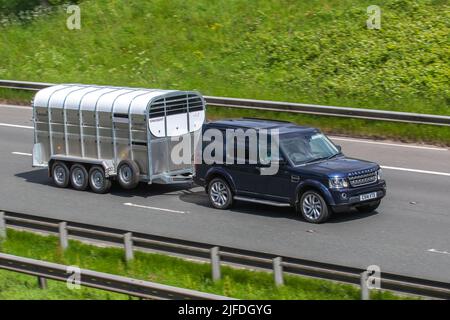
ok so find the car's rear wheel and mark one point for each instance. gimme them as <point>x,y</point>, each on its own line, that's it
<point>79,177</point>
<point>60,174</point>
<point>368,208</point>
<point>313,207</point>
<point>98,181</point>
<point>220,195</point>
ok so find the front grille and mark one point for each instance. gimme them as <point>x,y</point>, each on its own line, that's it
<point>362,178</point>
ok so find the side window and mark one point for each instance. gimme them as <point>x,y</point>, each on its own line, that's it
<point>264,151</point>
<point>210,154</point>
<point>265,154</point>
<point>240,152</point>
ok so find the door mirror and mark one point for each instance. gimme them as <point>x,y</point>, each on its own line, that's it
<point>339,148</point>
<point>280,161</point>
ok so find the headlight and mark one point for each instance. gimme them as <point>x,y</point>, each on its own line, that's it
<point>337,183</point>
<point>379,174</point>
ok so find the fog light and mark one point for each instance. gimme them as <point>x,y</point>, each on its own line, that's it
<point>344,195</point>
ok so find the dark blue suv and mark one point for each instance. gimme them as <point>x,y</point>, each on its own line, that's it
<point>313,175</point>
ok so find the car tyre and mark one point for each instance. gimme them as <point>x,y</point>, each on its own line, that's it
<point>79,177</point>
<point>220,194</point>
<point>313,207</point>
<point>98,181</point>
<point>60,174</point>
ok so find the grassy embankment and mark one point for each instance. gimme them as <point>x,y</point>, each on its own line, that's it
<point>243,284</point>
<point>303,51</point>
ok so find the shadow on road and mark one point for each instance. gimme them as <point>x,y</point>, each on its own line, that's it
<point>144,190</point>
<point>191,194</point>
<point>39,176</point>
<point>200,198</point>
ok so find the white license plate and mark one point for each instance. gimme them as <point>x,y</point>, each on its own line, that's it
<point>367,196</point>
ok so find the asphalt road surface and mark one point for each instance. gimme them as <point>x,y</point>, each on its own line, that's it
<point>409,234</point>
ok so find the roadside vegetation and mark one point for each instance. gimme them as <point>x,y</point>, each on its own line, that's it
<point>302,51</point>
<point>238,283</point>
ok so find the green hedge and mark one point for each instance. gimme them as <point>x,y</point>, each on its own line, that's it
<point>303,51</point>
<point>307,51</point>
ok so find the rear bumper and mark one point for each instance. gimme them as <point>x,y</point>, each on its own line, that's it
<point>347,199</point>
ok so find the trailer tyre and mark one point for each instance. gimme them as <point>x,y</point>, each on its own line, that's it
<point>79,177</point>
<point>60,174</point>
<point>98,181</point>
<point>128,174</point>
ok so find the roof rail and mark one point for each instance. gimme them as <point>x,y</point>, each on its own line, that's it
<point>265,119</point>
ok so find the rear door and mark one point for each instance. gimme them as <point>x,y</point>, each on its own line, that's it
<point>246,176</point>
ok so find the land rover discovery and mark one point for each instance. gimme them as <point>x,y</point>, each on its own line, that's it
<point>313,175</point>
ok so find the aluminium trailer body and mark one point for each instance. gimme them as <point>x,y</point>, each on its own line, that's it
<point>87,126</point>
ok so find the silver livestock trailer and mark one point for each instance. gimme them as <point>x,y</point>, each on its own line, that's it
<point>89,135</point>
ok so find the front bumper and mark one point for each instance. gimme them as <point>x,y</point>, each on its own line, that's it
<point>345,199</point>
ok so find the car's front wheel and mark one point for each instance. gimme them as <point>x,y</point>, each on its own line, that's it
<point>313,207</point>
<point>220,195</point>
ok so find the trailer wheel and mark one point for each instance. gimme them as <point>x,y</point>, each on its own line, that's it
<point>79,177</point>
<point>128,174</point>
<point>97,180</point>
<point>60,174</point>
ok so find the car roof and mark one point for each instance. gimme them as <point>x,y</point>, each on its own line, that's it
<point>256,123</point>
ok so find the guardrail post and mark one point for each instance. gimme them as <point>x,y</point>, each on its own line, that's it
<point>63,236</point>
<point>128,245</point>
<point>278,271</point>
<point>365,295</point>
<point>42,283</point>
<point>215,263</point>
<point>2,225</point>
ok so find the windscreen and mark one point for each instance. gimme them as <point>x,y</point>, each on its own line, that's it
<point>303,148</point>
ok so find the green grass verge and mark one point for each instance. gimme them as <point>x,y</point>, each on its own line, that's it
<point>302,51</point>
<point>243,284</point>
<point>14,286</point>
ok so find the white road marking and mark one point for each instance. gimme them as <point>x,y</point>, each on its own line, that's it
<point>437,251</point>
<point>417,171</point>
<point>15,107</point>
<point>22,154</point>
<point>15,126</point>
<point>388,144</point>
<point>152,208</point>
